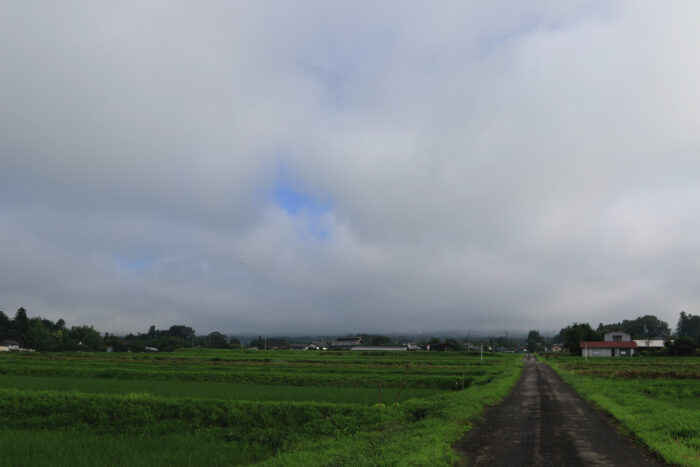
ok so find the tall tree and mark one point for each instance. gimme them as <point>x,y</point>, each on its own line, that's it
<point>688,326</point>
<point>21,322</point>
<point>87,337</point>
<point>216,340</point>
<point>183,332</point>
<point>576,333</point>
<point>4,324</point>
<point>534,341</point>
<point>39,335</point>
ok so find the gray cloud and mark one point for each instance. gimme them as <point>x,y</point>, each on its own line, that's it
<point>480,166</point>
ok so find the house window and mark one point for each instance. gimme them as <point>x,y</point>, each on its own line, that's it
<point>617,338</point>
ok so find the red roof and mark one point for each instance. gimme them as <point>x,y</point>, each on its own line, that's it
<point>609,345</point>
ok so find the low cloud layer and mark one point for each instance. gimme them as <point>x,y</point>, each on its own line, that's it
<point>318,167</point>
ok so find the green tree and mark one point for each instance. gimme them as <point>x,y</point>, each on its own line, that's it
<point>648,328</point>
<point>181,331</point>
<point>535,341</point>
<point>169,343</point>
<point>576,333</point>
<point>21,324</point>
<point>87,337</point>
<point>115,342</point>
<point>688,326</point>
<point>39,335</point>
<point>216,340</point>
<point>683,346</point>
<point>5,324</point>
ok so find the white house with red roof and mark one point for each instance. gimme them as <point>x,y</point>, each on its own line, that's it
<point>615,343</point>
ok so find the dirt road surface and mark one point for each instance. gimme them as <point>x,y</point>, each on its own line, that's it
<point>545,423</point>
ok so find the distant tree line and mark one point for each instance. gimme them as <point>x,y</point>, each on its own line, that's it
<point>45,335</point>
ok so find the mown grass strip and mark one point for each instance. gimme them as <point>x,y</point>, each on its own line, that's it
<point>666,420</point>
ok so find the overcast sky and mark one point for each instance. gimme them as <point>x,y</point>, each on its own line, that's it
<point>339,167</point>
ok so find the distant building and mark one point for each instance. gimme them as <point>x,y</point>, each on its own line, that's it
<point>379,348</point>
<point>441,347</point>
<point>311,346</point>
<point>617,335</point>
<point>346,343</point>
<point>615,343</point>
<point>651,344</point>
<point>7,345</point>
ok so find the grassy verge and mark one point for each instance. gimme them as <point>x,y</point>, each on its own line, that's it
<point>662,413</point>
<point>423,436</point>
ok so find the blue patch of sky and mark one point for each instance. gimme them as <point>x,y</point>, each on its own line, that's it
<point>301,203</point>
<point>295,200</point>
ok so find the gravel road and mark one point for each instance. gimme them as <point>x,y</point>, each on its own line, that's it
<point>545,423</point>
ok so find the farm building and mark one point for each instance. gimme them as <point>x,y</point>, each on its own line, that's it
<point>8,345</point>
<point>346,343</point>
<point>380,348</point>
<point>311,346</point>
<point>441,347</point>
<point>615,343</point>
<point>651,344</point>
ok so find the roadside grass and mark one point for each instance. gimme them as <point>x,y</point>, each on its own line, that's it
<point>425,438</point>
<point>662,413</point>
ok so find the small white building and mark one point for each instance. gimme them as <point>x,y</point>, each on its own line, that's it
<point>8,345</point>
<point>617,335</point>
<point>615,343</point>
<point>651,344</point>
<point>379,348</point>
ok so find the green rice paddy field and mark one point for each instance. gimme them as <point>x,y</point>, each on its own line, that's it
<point>224,407</point>
<point>655,399</point>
